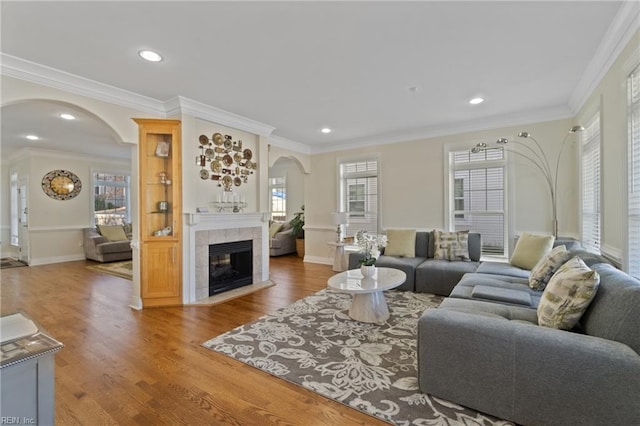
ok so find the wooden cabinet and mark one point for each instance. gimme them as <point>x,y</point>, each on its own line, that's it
<point>160,218</point>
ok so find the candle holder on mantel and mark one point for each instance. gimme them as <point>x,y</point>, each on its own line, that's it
<point>229,202</point>
<point>234,206</point>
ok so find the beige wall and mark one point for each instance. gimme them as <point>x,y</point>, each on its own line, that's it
<point>610,96</point>
<point>412,184</point>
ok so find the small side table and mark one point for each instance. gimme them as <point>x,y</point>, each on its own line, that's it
<point>339,260</point>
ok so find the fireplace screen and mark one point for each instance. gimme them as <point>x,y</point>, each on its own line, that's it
<point>230,266</point>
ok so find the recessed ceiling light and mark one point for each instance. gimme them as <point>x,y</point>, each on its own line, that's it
<point>66,116</point>
<point>32,137</point>
<point>150,55</point>
<point>476,101</point>
<point>325,130</point>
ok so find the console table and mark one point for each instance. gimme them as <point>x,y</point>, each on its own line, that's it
<point>26,371</point>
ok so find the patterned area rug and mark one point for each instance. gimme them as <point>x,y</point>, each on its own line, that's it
<point>10,262</point>
<point>370,367</point>
<point>119,269</point>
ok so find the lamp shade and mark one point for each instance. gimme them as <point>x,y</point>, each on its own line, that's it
<point>340,218</point>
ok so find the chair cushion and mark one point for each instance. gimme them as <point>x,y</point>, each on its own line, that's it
<point>113,232</point>
<point>274,228</point>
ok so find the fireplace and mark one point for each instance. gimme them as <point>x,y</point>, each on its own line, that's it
<point>230,266</point>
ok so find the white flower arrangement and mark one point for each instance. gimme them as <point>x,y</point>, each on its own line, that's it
<point>370,246</point>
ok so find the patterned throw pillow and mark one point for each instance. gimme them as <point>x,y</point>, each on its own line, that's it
<point>547,266</point>
<point>451,245</point>
<point>568,295</point>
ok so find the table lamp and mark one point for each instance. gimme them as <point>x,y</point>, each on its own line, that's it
<point>339,219</point>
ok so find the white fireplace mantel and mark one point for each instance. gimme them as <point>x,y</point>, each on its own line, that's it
<point>226,222</point>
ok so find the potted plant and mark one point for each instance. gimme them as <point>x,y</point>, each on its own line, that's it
<point>297,226</point>
<point>370,247</point>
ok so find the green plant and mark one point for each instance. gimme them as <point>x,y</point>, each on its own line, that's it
<point>297,224</point>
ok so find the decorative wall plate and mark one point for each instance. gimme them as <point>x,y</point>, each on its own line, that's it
<point>61,185</point>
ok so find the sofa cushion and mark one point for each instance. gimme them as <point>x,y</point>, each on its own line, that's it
<point>614,313</point>
<point>401,242</point>
<point>502,268</point>
<point>405,264</point>
<point>509,295</point>
<point>466,286</point>
<point>547,266</point>
<point>113,232</point>
<point>530,248</point>
<point>451,245</point>
<point>478,307</point>
<point>568,295</point>
<point>114,247</point>
<point>441,276</point>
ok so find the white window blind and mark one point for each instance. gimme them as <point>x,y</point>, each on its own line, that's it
<point>633,249</point>
<point>477,194</point>
<point>591,184</point>
<point>359,195</point>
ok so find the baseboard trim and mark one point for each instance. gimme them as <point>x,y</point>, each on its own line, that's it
<point>318,259</point>
<point>57,259</point>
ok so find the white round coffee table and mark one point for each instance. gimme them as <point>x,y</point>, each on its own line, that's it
<point>368,303</point>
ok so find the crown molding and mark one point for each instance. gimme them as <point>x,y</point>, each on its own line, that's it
<point>285,143</point>
<point>487,123</point>
<point>26,153</point>
<point>22,69</point>
<point>181,105</point>
<point>624,25</point>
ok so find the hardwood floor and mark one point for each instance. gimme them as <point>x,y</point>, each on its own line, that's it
<point>120,366</point>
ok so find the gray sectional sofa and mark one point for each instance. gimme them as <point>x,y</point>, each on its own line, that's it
<point>483,348</point>
<point>424,273</point>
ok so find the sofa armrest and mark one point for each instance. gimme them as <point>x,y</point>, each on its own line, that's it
<point>526,373</point>
<point>97,239</point>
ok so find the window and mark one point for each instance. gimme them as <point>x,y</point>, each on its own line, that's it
<point>15,209</point>
<point>590,142</point>
<point>633,226</point>
<point>278,189</point>
<point>359,195</point>
<point>477,196</point>
<point>111,205</point>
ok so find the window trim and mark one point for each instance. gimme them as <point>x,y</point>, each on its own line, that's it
<point>588,117</point>
<point>92,197</point>
<point>631,68</point>
<point>271,187</point>
<point>341,197</point>
<point>508,208</point>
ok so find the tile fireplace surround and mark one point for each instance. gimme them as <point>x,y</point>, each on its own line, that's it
<point>213,228</point>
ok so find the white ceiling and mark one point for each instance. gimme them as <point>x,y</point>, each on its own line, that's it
<point>299,66</point>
